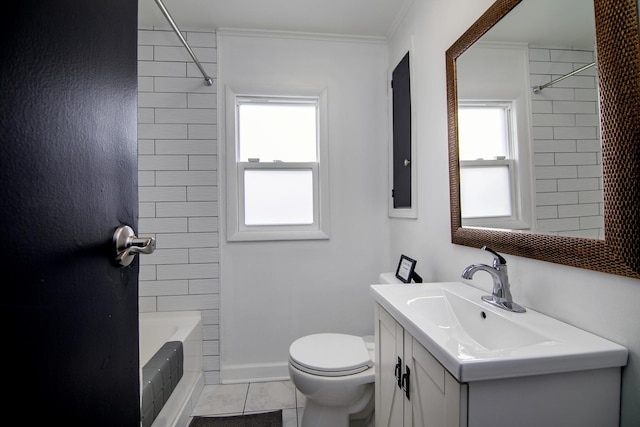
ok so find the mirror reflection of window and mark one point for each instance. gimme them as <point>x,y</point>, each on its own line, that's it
<point>493,87</point>
<point>484,131</point>
<point>487,162</point>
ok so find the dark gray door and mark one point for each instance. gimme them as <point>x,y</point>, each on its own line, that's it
<point>401,86</point>
<point>68,178</point>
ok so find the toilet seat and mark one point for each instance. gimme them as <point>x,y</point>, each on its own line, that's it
<point>330,355</point>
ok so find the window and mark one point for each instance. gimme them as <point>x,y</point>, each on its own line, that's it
<point>276,182</point>
<point>488,179</point>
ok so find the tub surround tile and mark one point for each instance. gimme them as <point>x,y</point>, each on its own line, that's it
<point>207,163</point>
<point>182,146</point>
<point>163,225</point>
<point>186,240</point>
<point>163,163</point>
<point>190,178</point>
<point>209,68</point>
<point>202,131</point>
<point>158,37</point>
<point>185,209</point>
<point>187,302</point>
<point>160,100</point>
<point>196,100</point>
<point>181,85</point>
<point>201,39</point>
<point>163,287</point>
<point>208,224</point>
<point>202,194</point>
<point>186,271</point>
<point>180,54</point>
<point>159,68</point>
<point>185,115</point>
<point>162,194</point>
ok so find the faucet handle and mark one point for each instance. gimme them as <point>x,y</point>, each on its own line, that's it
<point>497,258</point>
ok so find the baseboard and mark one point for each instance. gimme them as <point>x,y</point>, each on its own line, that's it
<point>230,374</point>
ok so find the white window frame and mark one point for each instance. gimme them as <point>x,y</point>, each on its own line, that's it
<point>237,230</point>
<point>520,217</point>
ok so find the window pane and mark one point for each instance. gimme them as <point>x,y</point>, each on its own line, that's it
<point>277,131</point>
<point>278,197</point>
<point>483,132</point>
<point>485,192</point>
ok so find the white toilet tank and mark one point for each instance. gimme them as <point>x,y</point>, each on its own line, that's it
<point>388,278</point>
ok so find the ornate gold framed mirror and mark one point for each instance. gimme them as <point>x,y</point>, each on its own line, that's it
<point>618,73</point>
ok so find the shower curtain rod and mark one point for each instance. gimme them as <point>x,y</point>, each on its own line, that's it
<point>538,89</point>
<point>167,15</point>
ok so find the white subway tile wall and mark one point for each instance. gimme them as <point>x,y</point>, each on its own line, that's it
<point>566,144</point>
<point>178,183</point>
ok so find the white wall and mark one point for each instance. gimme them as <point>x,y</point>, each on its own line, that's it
<point>178,193</point>
<point>275,292</point>
<point>604,304</point>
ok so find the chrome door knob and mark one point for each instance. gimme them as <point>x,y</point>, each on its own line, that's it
<point>128,245</point>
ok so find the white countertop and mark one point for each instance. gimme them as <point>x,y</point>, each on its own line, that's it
<point>476,341</point>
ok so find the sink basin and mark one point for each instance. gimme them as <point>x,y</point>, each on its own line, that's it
<point>472,324</point>
<point>477,341</point>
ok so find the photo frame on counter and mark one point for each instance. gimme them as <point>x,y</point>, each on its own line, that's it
<point>406,270</point>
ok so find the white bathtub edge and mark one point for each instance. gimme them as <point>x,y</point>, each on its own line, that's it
<point>178,408</point>
<point>177,411</point>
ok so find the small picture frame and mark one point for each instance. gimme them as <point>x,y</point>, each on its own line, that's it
<point>405,270</point>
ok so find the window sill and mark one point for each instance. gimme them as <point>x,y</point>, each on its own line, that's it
<point>277,235</point>
<point>515,225</point>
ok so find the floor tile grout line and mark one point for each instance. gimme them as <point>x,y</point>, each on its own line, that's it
<point>246,397</point>
<point>294,417</point>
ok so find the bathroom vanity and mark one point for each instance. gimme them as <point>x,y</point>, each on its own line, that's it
<point>446,358</point>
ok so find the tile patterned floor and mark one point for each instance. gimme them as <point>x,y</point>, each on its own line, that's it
<point>237,399</point>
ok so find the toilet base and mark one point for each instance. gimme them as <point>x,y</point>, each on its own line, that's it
<point>366,417</point>
<point>315,415</point>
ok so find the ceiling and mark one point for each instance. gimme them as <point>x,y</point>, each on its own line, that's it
<point>539,22</point>
<point>565,23</point>
<point>368,18</point>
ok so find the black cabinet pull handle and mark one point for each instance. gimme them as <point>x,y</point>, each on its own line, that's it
<point>406,382</point>
<point>398,372</point>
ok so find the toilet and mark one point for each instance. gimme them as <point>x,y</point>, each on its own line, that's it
<point>335,372</point>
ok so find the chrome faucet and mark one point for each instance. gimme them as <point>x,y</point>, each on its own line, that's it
<point>501,295</point>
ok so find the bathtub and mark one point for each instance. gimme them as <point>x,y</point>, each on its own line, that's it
<point>181,329</point>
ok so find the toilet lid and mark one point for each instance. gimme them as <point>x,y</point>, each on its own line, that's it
<point>330,354</point>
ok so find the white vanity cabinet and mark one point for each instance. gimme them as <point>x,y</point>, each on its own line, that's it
<point>434,397</point>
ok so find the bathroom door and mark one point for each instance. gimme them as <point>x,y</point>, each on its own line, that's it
<point>68,178</point>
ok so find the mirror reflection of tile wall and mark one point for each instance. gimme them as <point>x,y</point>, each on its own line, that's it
<point>566,145</point>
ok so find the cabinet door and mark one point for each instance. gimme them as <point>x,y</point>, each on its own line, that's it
<point>401,87</point>
<point>437,399</point>
<point>389,346</point>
